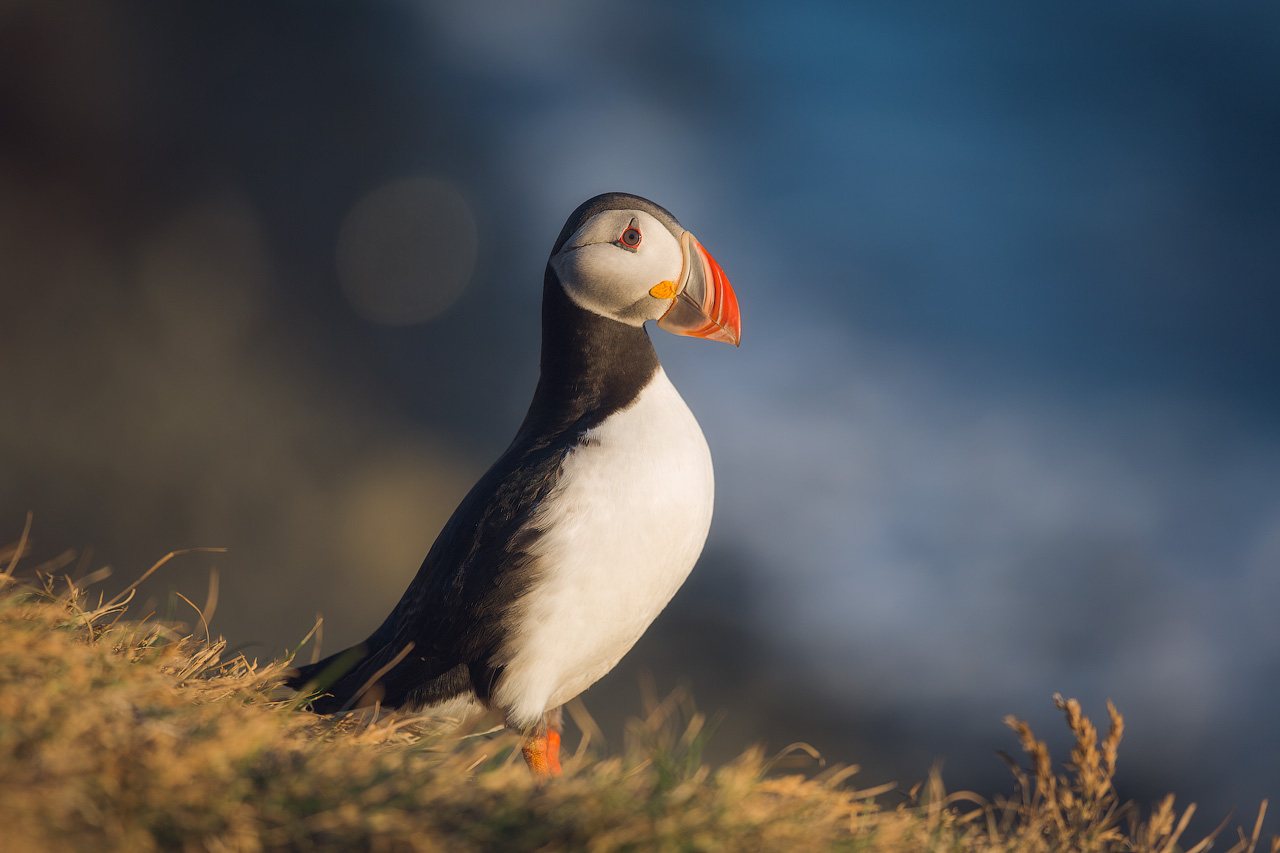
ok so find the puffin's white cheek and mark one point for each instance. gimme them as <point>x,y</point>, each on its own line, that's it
<point>605,273</point>
<point>601,279</point>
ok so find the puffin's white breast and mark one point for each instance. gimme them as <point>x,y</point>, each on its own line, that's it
<point>623,529</point>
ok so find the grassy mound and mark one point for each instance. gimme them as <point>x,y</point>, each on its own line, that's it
<point>134,735</point>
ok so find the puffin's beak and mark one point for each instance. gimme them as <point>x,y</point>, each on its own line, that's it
<point>705,305</point>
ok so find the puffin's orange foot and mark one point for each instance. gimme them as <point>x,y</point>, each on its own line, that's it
<point>542,754</point>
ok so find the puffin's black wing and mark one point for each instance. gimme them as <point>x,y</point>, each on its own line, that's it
<point>440,639</point>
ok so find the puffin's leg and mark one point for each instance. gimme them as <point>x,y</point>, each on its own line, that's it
<point>542,749</point>
<point>555,721</point>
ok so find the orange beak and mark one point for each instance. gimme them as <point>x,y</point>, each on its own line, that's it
<point>704,305</point>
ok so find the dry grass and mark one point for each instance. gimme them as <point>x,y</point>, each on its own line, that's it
<point>133,735</point>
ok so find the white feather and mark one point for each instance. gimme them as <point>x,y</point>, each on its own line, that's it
<point>623,529</point>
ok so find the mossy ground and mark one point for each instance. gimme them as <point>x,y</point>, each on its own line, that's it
<point>131,734</point>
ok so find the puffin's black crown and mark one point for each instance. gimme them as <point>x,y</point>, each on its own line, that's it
<point>615,201</point>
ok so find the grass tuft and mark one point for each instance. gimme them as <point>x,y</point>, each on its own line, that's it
<point>141,734</point>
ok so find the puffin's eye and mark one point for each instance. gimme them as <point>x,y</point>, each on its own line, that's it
<point>630,238</point>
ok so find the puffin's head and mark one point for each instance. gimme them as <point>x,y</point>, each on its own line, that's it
<point>626,258</point>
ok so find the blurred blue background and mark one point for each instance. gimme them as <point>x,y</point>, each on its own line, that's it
<point>1005,418</point>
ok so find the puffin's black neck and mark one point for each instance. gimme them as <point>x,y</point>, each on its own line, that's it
<point>592,366</point>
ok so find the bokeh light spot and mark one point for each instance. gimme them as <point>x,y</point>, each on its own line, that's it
<point>406,251</point>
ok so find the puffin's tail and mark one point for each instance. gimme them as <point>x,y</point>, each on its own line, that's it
<point>328,681</point>
<point>388,674</point>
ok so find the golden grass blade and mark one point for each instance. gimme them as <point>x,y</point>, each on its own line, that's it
<point>93,577</point>
<point>792,749</point>
<point>586,724</point>
<point>55,564</point>
<point>314,632</point>
<point>19,550</point>
<point>1171,843</point>
<point>203,621</point>
<point>319,632</point>
<point>1257,831</point>
<point>836,774</point>
<point>166,558</point>
<point>82,567</point>
<point>211,598</point>
<point>872,793</point>
<point>1207,841</point>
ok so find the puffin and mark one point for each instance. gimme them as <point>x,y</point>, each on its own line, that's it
<point>571,544</point>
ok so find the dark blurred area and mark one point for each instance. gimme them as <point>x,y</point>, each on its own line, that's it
<point>1005,419</point>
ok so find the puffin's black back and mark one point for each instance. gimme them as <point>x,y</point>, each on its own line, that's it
<point>441,639</point>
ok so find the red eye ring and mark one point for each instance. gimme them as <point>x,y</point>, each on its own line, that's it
<point>630,237</point>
